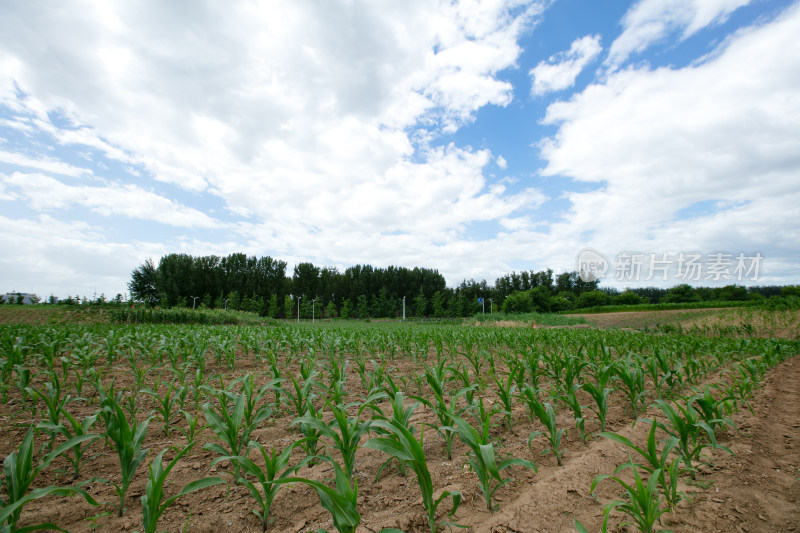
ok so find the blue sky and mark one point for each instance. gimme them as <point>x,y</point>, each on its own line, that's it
<point>472,137</point>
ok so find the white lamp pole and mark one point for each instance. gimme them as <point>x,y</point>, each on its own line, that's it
<point>313,304</point>
<point>298,308</point>
<point>404,308</point>
<point>491,306</point>
<point>194,299</point>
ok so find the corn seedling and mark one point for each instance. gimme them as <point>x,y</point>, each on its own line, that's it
<point>643,505</point>
<point>547,416</point>
<point>154,501</point>
<point>401,444</point>
<point>231,427</point>
<point>482,458</point>
<point>19,474</point>
<point>654,460</point>
<point>344,432</point>
<point>600,396</point>
<point>686,425</point>
<point>73,430</point>
<point>444,411</point>
<point>341,502</point>
<point>165,406</point>
<point>570,398</point>
<point>276,467</point>
<point>505,391</point>
<point>127,438</point>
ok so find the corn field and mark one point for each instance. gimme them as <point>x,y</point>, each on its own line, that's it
<point>356,426</point>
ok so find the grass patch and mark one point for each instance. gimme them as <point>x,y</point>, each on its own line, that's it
<point>541,319</point>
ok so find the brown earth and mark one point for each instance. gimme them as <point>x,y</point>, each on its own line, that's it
<point>756,490</point>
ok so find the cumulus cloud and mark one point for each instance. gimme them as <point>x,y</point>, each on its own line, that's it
<point>649,21</point>
<point>315,122</point>
<point>46,193</point>
<point>561,70</point>
<point>659,141</point>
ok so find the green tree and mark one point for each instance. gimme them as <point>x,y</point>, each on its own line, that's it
<point>346,309</point>
<point>288,306</point>
<point>439,309</point>
<point>234,301</point>
<point>592,299</point>
<point>362,307</point>
<point>143,285</point>
<point>518,302</point>
<point>330,310</point>
<point>680,294</point>
<point>273,306</point>
<point>420,304</point>
<point>628,298</point>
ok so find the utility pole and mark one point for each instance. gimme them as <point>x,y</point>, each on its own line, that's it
<point>313,305</point>
<point>298,308</point>
<point>194,300</point>
<point>491,306</point>
<point>404,308</point>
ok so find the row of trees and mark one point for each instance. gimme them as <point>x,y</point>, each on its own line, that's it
<point>262,285</point>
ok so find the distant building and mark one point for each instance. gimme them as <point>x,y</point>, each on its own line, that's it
<point>27,297</point>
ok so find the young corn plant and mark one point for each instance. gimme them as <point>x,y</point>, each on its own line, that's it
<point>644,501</point>
<point>72,430</point>
<point>193,426</point>
<point>154,501</point>
<point>685,424</point>
<point>714,411</point>
<point>401,415</point>
<point>570,398</point>
<point>399,442</point>
<point>444,411</point>
<point>600,396</point>
<point>165,406</point>
<point>482,458</point>
<point>547,416</point>
<point>231,426</point>
<point>655,460</point>
<point>54,401</point>
<point>20,472</point>
<point>276,468</point>
<point>127,438</point>
<point>505,391</point>
<point>341,502</point>
<point>344,432</point>
<point>631,375</point>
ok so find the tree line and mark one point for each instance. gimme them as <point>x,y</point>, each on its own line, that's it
<point>262,285</point>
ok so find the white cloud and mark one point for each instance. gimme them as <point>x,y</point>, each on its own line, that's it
<point>45,164</point>
<point>560,71</point>
<point>649,21</point>
<point>312,120</point>
<point>66,257</point>
<point>659,141</point>
<point>46,193</point>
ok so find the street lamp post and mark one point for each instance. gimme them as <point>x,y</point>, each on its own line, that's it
<point>298,307</point>
<point>226,304</point>
<point>194,300</point>
<point>491,306</point>
<point>404,308</point>
<point>483,305</point>
<point>313,305</point>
